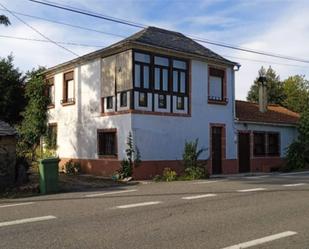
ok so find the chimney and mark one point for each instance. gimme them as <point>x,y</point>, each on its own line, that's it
<point>262,93</point>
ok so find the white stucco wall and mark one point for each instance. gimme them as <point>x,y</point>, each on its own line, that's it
<point>287,133</point>
<point>163,137</point>
<point>78,123</point>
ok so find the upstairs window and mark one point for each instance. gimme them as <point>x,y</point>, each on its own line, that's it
<point>109,102</point>
<point>273,144</point>
<point>216,84</point>
<point>123,99</point>
<point>51,92</point>
<point>142,99</point>
<point>259,143</point>
<point>162,101</point>
<point>107,145</point>
<point>161,73</point>
<point>179,76</point>
<point>141,70</point>
<point>68,88</point>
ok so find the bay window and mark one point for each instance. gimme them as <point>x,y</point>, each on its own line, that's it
<point>141,70</point>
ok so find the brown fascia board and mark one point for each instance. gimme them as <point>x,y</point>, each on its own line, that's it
<point>123,46</point>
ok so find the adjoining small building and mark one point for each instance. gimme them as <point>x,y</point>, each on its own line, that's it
<point>7,155</point>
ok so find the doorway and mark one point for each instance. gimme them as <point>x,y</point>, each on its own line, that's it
<point>244,152</point>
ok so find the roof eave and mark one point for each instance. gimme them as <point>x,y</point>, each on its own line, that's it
<point>266,123</point>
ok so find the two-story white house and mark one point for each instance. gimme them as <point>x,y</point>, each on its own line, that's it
<point>165,89</point>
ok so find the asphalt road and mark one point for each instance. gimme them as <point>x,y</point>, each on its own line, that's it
<point>270,211</point>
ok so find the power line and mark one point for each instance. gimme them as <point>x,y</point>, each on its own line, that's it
<point>46,41</point>
<point>92,14</point>
<point>100,46</point>
<point>126,22</point>
<point>66,24</point>
<point>37,31</point>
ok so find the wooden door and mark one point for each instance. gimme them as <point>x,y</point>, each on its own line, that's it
<point>244,152</point>
<point>216,150</point>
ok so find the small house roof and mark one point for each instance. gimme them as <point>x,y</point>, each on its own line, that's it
<point>249,111</point>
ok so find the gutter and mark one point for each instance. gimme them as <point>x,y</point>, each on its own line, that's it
<point>265,123</point>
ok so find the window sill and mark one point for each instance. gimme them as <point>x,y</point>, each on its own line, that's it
<point>108,157</point>
<point>69,102</point>
<point>217,102</point>
<point>51,106</point>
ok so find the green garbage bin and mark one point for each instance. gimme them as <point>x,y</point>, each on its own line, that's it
<point>48,169</point>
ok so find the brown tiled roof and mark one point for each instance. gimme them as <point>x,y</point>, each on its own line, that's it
<point>248,111</point>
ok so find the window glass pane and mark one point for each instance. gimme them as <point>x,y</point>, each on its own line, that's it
<point>142,99</point>
<point>109,103</point>
<point>180,103</point>
<point>215,87</point>
<point>165,79</point>
<point>70,89</point>
<point>123,99</point>
<point>157,78</point>
<point>182,82</point>
<point>259,144</point>
<point>137,75</point>
<point>161,61</point>
<point>146,77</point>
<point>273,144</point>
<point>107,143</point>
<point>175,81</point>
<point>179,64</point>
<point>162,101</point>
<point>51,94</point>
<point>142,57</point>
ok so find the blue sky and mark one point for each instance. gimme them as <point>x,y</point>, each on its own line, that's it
<point>278,26</point>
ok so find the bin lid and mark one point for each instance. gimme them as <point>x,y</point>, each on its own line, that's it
<point>50,160</point>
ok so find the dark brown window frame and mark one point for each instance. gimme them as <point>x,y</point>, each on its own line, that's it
<point>266,144</point>
<point>115,154</point>
<point>50,82</point>
<point>65,100</point>
<point>214,71</point>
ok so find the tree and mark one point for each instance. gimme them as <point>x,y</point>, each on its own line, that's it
<point>4,20</point>
<point>275,94</point>
<point>34,123</point>
<point>298,151</point>
<point>12,99</point>
<point>296,91</point>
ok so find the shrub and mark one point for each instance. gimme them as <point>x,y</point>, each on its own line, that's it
<point>157,178</point>
<point>132,160</point>
<point>169,175</point>
<point>72,168</point>
<point>193,168</point>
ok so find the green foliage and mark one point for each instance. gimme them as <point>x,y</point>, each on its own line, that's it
<point>12,99</point>
<point>33,126</point>
<point>169,175</point>
<point>298,152</point>
<point>275,94</point>
<point>133,158</point>
<point>50,138</point>
<point>296,92</point>
<point>191,154</point>
<point>4,20</point>
<point>194,173</point>
<point>72,168</point>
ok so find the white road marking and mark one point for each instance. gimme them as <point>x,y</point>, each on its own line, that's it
<point>256,177</point>
<point>28,220</point>
<point>204,182</point>
<point>251,190</point>
<point>262,240</point>
<point>294,184</point>
<point>139,204</point>
<point>111,193</point>
<point>198,196</point>
<point>16,204</point>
